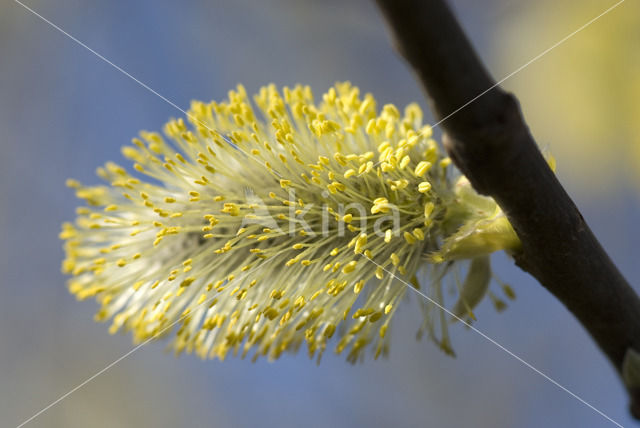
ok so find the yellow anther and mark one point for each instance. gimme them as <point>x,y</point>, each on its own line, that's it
<point>387,167</point>
<point>422,168</point>
<point>339,186</point>
<point>428,209</point>
<point>380,200</point>
<point>386,154</point>
<point>424,187</point>
<point>404,162</point>
<point>74,184</point>
<point>389,130</point>
<point>277,294</point>
<point>394,259</point>
<point>418,234</point>
<point>360,243</point>
<point>362,313</point>
<point>391,110</point>
<point>299,302</point>
<point>383,330</point>
<point>187,281</point>
<point>383,146</point>
<point>285,183</point>
<point>371,126</point>
<point>409,238</point>
<point>231,209</point>
<point>349,267</point>
<point>380,205</point>
<point>339,157</point>
<point>329,330</point>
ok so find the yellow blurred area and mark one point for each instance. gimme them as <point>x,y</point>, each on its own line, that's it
<point>582,99</point>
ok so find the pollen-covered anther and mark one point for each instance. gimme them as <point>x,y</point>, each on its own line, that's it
<point>409,238</point>
<point>422,168</point>
<point>360,242</point>
<point>380,205</point>
<point>231,209</point>
<point>349,267</point>
<point>424,187</point>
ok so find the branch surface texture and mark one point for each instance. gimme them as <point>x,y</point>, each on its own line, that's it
<point>491,144</point>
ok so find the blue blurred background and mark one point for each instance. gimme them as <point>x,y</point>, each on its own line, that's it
<point>63,112</point>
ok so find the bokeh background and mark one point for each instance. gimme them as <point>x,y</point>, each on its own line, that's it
<point>63,112</point>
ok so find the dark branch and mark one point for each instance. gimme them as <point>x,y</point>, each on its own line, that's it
<point>491,144</point>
